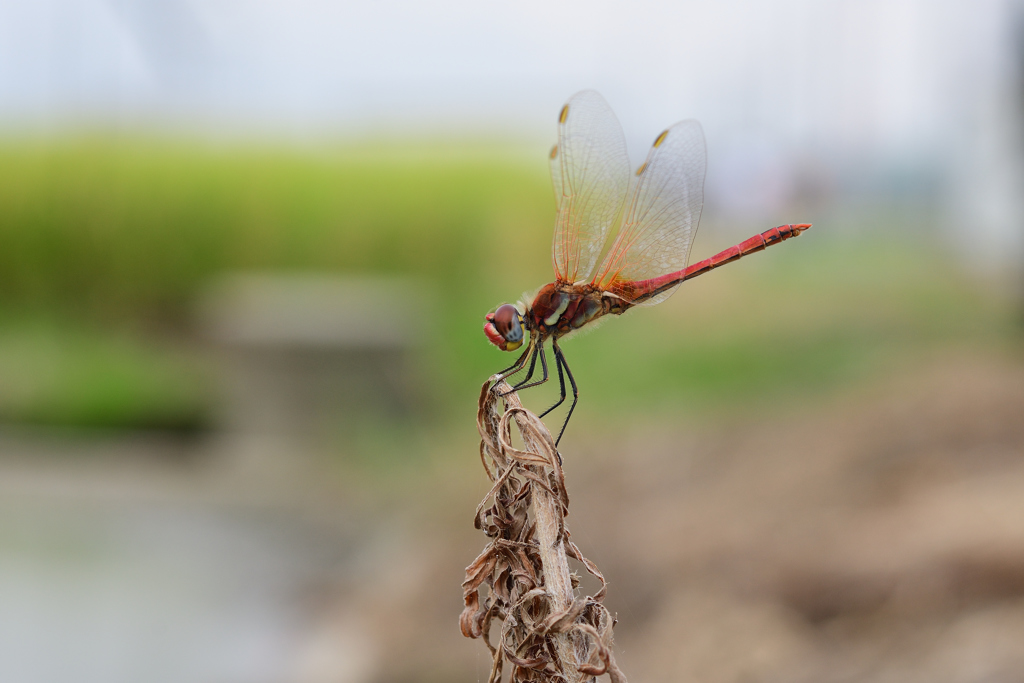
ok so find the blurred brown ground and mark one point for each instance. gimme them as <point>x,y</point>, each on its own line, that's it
<point>877,537</point>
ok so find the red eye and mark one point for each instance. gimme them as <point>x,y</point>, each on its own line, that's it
<point>505,319</point>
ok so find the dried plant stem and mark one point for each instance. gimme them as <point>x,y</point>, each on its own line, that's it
<point>548,522</point>
<point>547,633</point>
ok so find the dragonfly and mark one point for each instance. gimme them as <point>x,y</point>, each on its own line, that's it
<point>650,218</point>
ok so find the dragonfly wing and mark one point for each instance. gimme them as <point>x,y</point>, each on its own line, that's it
<point>660,219</point>
<point>590,173</point>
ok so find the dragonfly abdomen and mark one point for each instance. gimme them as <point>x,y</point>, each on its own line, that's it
<point>748,246</point>
<point>637,292</point>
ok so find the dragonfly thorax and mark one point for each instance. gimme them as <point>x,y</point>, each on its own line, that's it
<point>559,308</point>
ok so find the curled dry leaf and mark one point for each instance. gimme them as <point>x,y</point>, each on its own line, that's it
<point>546,632</point>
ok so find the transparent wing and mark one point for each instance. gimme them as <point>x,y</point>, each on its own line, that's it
<point>660,219</point>
<point>590,173</point>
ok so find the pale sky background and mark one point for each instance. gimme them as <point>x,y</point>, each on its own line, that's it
<point>916,89</point>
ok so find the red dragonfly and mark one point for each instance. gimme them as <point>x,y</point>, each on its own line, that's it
<point>655,214</point>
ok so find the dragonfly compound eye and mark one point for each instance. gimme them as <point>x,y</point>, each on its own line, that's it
<point>504,328</point>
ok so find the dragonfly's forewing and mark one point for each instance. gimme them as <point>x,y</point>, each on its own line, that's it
<point>660,219</point>
<point>590,172</point>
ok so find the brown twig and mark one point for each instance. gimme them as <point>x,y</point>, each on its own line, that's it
<point>547,633</point>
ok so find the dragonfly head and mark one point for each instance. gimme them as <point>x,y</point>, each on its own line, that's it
<point>504,327</point>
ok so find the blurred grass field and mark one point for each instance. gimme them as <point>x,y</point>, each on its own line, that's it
<point>107,243</point>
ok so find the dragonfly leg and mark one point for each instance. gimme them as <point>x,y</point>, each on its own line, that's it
<point>543,368</point>
<point>529,372</point>
<point>517,366</point>
<point>559,356</point>
<point>537,350</point>
<point>561,381</point>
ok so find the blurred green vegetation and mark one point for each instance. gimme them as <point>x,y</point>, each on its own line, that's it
<point>58,372</point>
<point>106,243</point>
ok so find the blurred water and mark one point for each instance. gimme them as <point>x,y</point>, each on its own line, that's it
<point>129,588</point>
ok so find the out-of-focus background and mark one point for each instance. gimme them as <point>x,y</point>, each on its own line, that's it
<point>245,253</point>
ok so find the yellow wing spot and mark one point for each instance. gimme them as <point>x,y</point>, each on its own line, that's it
<point>564,115</point>
<point>554,151</point>
<point>661,138</point>
<point>643,167</point>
